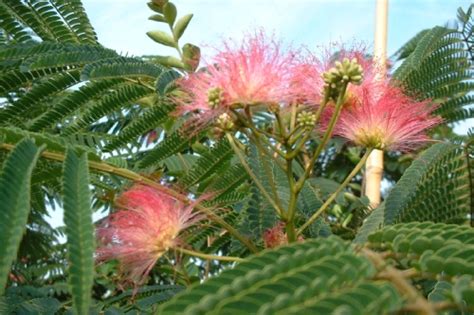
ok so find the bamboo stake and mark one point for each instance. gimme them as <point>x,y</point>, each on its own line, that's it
<point>374,165</point>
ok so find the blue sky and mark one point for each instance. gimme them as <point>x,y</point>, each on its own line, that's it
<point>122,24</point>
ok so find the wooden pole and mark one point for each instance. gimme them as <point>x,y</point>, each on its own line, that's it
<point>374,165</point>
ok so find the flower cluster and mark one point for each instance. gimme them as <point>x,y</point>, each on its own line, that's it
<point>377,113</point>
<point>257,72</point>
<point>146,226</point>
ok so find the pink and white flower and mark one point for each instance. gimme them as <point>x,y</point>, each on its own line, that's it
<point>147,225</point>
<point>256,72</point>
<point>378,114</point>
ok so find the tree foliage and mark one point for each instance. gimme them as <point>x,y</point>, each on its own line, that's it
<point>80,123</point>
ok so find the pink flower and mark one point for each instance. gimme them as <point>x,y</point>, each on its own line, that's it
<point>254,73</point>
<point>307,81</point>
<point>378,114</point>
<point>381,116</point>
<point>146,226</point>
<point>276,236</point>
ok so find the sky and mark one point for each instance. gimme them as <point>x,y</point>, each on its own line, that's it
<point>122,24</point>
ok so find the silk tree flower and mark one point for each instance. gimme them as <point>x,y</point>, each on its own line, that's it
<point>307,81</point>
<point>377,113</point>
<point>257,72</point>
<point>276,236</point>
<point>146,226</point>
<point>381,116</point>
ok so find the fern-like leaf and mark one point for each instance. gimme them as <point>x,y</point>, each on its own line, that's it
<point>434,188</point>
<point>172,144</point>
<point>150,118</point>
<point>119,68</point>
<point>72,102</point>
<point>79,230</point>
<point>209,163</point>
<point>123,96</point>
<point>315,277</point>
<point>15,195</point>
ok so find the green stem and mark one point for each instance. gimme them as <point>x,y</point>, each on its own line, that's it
<point>125,173</point>
<point>326,137</point>
<point>264,150</point>
<point>252,175</point>
<point>281,126</point>
<point>292,133</point>
<point>290,219</point>
<point>290,231</point>
<point>207,256</point>
<point>266,167</point>
<point>291,155</point>
<point>259,133</point>
<point>326,204</point>
<point>293,116</point>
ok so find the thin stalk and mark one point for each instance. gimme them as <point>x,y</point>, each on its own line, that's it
<point>252,175</point>
<point>326,204</point>
<point>290,222</point>
<point>268,171</point>
<point>207,256</point>
<point>291,155</point>
<point>293,132</point>
<point>403,286</point>
<point>294,138</point>
<point>258,133</point>
<point>293,116</point>
<point>281,126</point>
<point>264,150</point>
<point>125,173</point>
<point>326,137</point>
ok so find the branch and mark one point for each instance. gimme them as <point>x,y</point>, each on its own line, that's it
<point>397,278</point>
<point>125,173</point>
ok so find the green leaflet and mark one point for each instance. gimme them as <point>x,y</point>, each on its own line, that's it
<point>434,248</point>
<point>79,230</point>
<point>435,188</point>
<point>172,144</point>
<point>121,67</point>
<point>437,65</point>
<point>15,182</point>
<point>148,120</point>
<point>123,96</point>
<point>315,277</point>
<point>209,163</point>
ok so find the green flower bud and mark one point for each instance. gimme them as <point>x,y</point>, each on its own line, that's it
<point>346,71</point>
<point>225,122</point>
<point>215,97</point>
<point>306,119</point>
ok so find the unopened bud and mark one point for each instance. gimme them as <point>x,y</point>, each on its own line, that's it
<point>347,70</point>
<point>225,122</point>
<point>274,108</point>
<point>215,97</point>
<point>306,119</point>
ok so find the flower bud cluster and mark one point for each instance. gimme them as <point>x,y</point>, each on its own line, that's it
<point>347,71</point>
<point>306,119</point>
<point>215,97</point>
<point>225,122</point>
